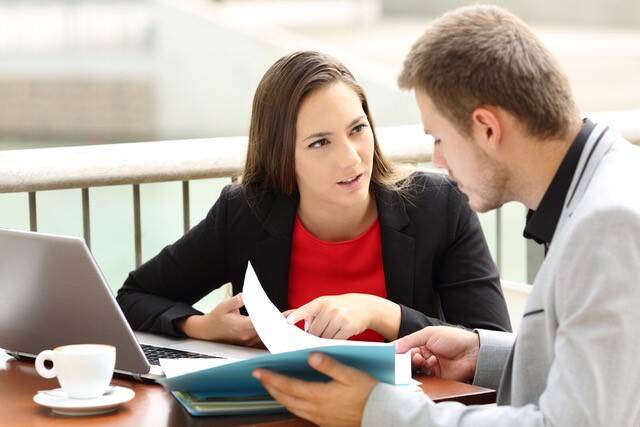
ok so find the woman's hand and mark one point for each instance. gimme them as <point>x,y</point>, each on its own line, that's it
<point>223,324</point>
<point>343,316</point>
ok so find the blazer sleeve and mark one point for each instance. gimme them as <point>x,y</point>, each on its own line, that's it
<point>163,290</point>
<point>387,405</point>
<point>493,357</point>
<point>465,277</point>
<point>595,346</point>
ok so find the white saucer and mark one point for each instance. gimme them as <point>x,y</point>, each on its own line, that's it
<point>60,403</point>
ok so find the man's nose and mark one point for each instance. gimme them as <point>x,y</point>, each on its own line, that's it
<point>438,158</point>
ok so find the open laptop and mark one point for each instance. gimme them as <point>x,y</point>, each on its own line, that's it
<point>52,293</point>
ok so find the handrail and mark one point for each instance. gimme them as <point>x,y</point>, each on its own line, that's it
<point>160,161</point>
<point>183,160</point>
<point>627,122</point>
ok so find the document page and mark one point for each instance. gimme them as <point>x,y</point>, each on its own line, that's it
<point>279,337</point>
<point>175,367</point>
<point>275,332</point>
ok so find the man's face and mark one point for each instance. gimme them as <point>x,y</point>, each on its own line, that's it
<point>482,178</point>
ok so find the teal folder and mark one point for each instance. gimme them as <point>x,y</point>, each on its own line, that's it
<point>249,405</point>
<point>235,379</point>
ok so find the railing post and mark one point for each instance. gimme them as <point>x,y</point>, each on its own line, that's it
<point>499,239</point>
<point>86,217</point>
<point>535,256</point>
<point>33,214</point>
<point>186,213</point>
<point>137,232</point>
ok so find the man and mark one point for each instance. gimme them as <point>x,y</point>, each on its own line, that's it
<point>507,128</point>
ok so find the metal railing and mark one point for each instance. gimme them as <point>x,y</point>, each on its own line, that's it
<point>133,164</point>
<point>85,167</point>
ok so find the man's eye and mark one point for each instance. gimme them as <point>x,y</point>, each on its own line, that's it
<point>319,143</point>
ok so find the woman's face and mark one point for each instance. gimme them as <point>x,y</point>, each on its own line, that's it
<point>334,148</point>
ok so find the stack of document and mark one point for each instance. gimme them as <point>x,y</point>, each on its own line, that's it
<point>202,405</point>
<point>224,386</point>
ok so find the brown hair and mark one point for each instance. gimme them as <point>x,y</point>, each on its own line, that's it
<point>272,133</point>
<point>484,55</point>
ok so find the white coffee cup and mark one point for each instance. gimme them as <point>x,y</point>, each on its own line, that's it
<point>84,370</point>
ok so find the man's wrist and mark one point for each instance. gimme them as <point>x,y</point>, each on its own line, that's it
<point>475,353</point>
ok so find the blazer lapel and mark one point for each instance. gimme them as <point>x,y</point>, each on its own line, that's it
<point>398,248</point>
<point>597,146</point>
<point>273,254</point>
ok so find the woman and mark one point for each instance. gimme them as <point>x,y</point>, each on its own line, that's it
<point>332,231</point>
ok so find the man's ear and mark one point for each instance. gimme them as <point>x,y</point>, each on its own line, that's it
<point>487,128</point>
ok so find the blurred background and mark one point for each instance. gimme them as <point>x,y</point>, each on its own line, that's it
<point>86,72</point>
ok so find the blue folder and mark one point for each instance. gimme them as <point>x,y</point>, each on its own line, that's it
<point>234,379</point>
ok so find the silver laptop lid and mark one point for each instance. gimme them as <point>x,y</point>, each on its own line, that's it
<point>52,293</point>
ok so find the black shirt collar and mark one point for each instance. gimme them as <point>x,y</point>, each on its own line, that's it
<point>541,224</point>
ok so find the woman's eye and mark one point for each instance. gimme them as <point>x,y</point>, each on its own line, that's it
<point>436,141</point>
<point>319,143</point>
<point>358,128</point>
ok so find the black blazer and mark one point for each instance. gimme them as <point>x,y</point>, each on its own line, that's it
<point>436,262</point>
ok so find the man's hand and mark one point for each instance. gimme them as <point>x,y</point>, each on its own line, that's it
<point>442,351</point>
<point>223,324</point>
<point>339,402</point>
<point>343,316</point>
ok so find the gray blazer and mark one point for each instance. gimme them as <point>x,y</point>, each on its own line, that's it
<point>574,362</point>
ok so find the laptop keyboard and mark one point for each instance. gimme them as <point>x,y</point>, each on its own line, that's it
<point>154,353</point>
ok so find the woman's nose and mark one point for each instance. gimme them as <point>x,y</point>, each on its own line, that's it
<point>349,156</point>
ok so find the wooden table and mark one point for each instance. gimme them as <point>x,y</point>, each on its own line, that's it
<point>152,406</point>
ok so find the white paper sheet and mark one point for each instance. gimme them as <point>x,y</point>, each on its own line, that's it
<point>272,327</point>
<point>403,368</point>
<point>278,336</point>
<point>175,367</point>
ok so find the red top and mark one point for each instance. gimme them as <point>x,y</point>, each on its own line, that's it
<point>321,268</point>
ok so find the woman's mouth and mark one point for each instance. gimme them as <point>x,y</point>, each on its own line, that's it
<point>351,182</point>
